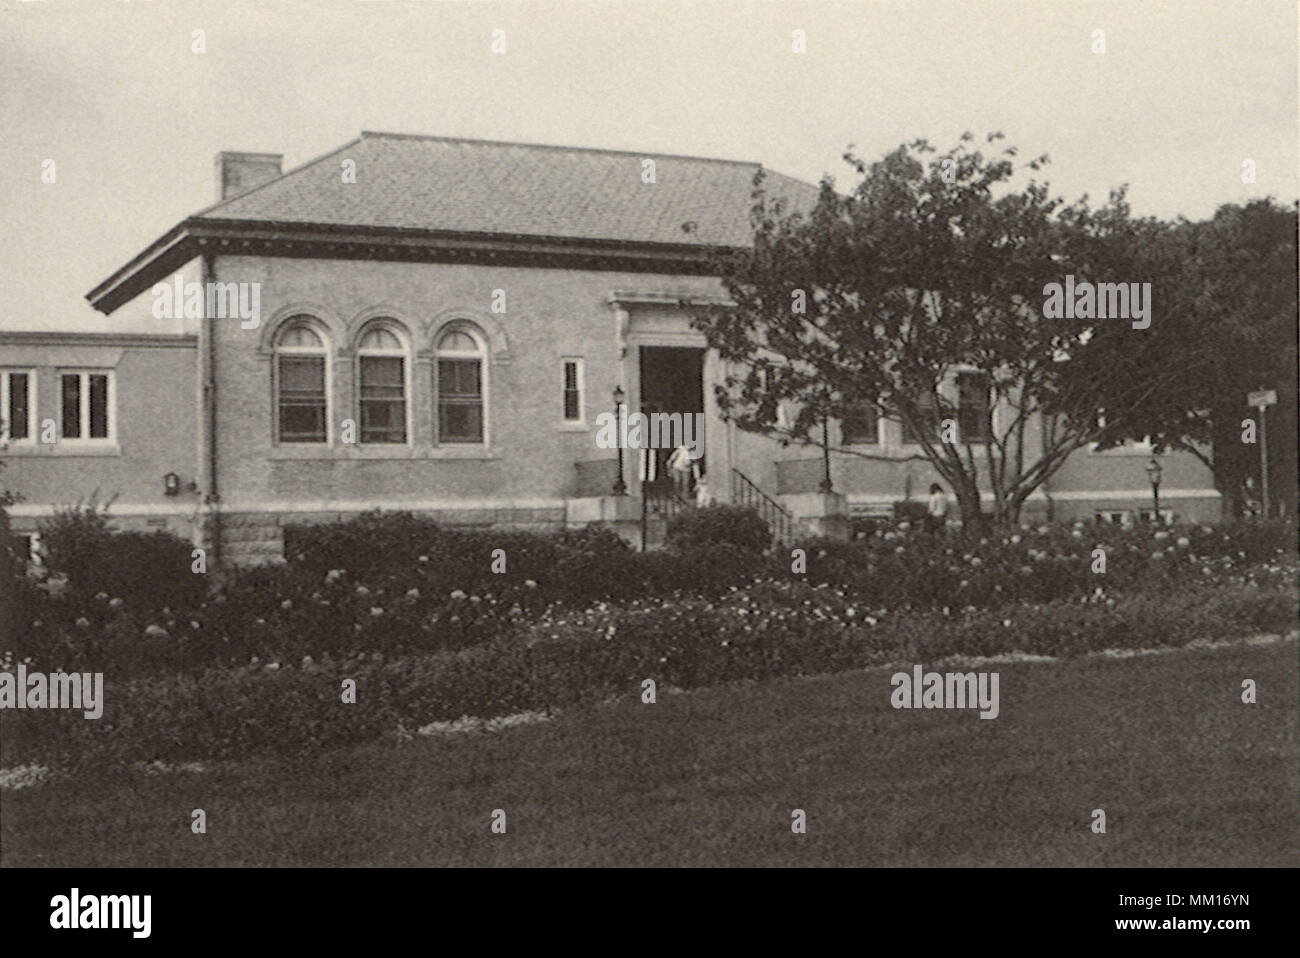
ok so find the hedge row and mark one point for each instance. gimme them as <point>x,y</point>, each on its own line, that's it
<point>402,585</point>
<point>255,710</point>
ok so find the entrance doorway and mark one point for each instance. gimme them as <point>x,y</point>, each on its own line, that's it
<point>672,381</point>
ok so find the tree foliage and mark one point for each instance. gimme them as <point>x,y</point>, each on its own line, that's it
<point>932,265</point>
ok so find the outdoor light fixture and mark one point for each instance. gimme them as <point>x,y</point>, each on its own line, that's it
<point>1153,473</point>
<point>620,487</point>
<point>171,484</point>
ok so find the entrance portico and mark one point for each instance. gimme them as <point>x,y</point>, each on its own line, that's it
<point>666,366</point>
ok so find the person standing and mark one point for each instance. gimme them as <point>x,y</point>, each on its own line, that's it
<point>682,466</point>
<point>936,513</point>
<point>703,498</point>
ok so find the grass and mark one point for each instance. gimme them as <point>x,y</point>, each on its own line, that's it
<point>1187,775</point>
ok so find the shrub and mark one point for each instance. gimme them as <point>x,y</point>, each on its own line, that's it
<point>699,529</point>
<point>910,510</point>
<point>764,630</point>
<point>12,569</point>
<point>149,571</point>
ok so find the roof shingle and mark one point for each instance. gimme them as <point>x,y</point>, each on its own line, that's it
<point>480,186</point>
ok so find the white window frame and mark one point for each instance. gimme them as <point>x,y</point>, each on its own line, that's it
<point>482,355</point>
<point>880,430</point>
<point>579,374</point>
<point>84,440</point>
<point>950,392</point>
<point>5,386</point>
<point>403,352</point>
<point>991,408</point>
<point>1166,516</point>
<point>323,351</point>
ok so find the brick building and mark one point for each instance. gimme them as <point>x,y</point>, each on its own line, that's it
<point>440,323</point>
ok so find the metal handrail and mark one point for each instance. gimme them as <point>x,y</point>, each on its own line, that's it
<point>779,520</point>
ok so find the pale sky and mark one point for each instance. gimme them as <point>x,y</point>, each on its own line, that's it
<point>1185,91</point>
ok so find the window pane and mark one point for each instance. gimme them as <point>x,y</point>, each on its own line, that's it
<point>380,339</point>
<point>973,406</point>
<point>926,413</point>
<point>460,422</point>
<point>383,399</point>
<point>458,342</point>
<point>302,421</point>
<point>381,375</point>
<point>302,398</point>
<point>300,336</point>
<point>860,426</point>
<point>459,377</point>
<point>71,406</point>
<point>98,407</point>
<point>17,413</point>
<point>302,374</point>
<point>383,420</point>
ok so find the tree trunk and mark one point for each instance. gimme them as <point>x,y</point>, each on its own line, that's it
<point>973,520</point>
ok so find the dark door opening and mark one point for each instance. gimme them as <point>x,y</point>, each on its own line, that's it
<point>672,381</point>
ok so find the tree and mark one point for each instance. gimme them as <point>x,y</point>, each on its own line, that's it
<point>924,272</point>
<point>1227,327</point>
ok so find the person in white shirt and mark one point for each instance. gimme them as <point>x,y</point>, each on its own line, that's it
<point>937,510</point>
<point>683,467</point>
<point>703,498</point>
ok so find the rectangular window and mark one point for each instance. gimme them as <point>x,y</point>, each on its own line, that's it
<point>302,398</point>
<point>383,402</point>
<point>16,406</point>
<point>86,406</point>
<point>573,390</point>
<point>926,413</point>
<point>98,406</point>
<point>859,427</point>
<point>973,420</point>
<point>71,425</point>
<point>460,401</point>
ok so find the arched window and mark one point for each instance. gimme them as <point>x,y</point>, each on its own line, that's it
<point>461,389</point>
<point>381,355</point>
<point>302,403</point>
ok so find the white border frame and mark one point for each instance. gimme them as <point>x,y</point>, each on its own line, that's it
<point>84,441</point>
<point>581,421</point>
<point>322,333</point>
<point>484,356</point>
<point>406,354</point>
<point>32,419</point>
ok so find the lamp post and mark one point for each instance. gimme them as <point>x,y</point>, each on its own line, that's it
<point>1153,473</point>
<point>826,456</point>
<point>620,487</point>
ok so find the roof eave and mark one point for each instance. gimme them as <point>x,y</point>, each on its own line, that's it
<point>261,237</point>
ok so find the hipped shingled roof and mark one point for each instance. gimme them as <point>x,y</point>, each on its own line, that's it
<point>437,186</point>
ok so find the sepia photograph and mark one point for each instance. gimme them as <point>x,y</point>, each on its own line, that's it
<point>595,434</point>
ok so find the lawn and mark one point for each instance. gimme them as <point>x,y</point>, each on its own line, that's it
<point>1187,775</point>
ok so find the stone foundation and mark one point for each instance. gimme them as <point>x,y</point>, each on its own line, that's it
<point>257,538</point>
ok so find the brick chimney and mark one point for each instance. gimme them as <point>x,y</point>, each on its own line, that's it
<point>237,173</point>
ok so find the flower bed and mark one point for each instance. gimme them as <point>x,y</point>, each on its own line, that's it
<point>399,585</point>
<point>767,628</point>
